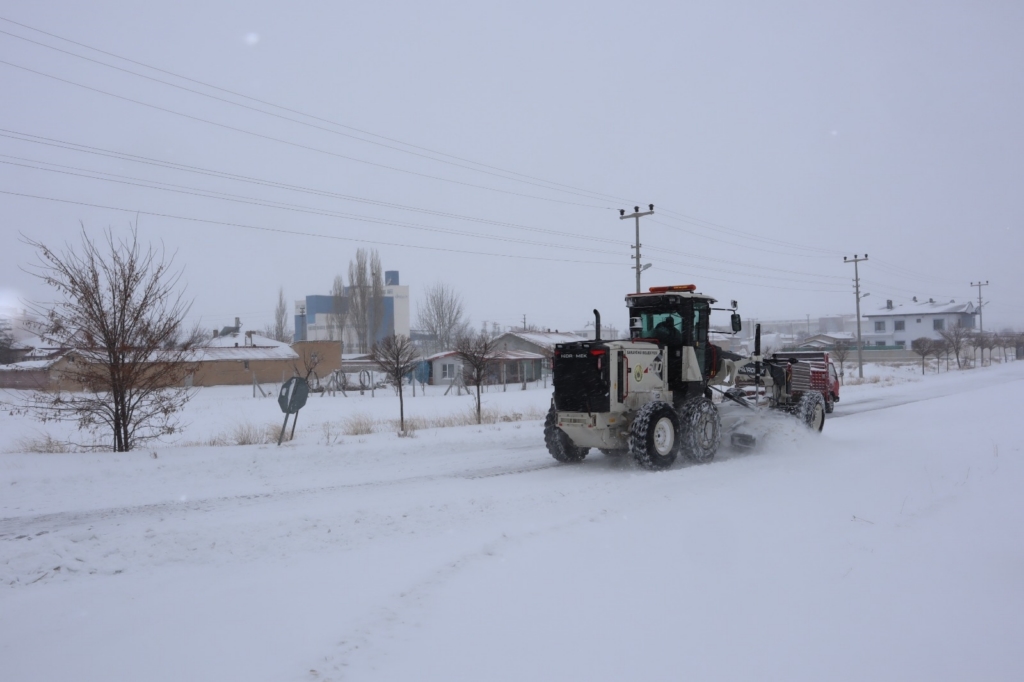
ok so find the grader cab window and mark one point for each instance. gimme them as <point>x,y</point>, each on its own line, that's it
<point>665,327</point>
<point>701,321</point>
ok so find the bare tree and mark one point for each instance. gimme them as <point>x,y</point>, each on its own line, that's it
<point>119,310</point>
<point>841,351</point>
<point>193,337</point>
<point>440,314</point>
<point>998,341</point>
<point>310,359</point>
<point>476,351</point>
<point>984,342</point>
<point>339,311</point>
<point>6,342</point>
<point>281,331</point>
<point>365,297</point>
<point>923,347</point>
<point>376,302</point>
<point>396,357</point>
<point>359,298</point>
<point>940,348</point>
<point>957,338</point>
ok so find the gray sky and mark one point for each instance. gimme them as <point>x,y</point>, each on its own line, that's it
<point>773,139</point>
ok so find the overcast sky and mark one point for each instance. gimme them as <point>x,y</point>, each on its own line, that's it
<point>490,147</point>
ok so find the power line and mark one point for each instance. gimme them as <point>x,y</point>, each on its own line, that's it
<point>293,111</point>
<point>297,232</point>
<point>582,193</point>
<point>548,184</point>
<point>699,222</point>
<point>208,193</point>
<point>730,281</point>
<point>296,144</point>
<point>172,165</point>
<point>135,182</point>
<point>223,196</point>
<point>747,245</point>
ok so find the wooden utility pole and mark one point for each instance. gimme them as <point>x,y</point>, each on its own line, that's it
<point>981,325</point>
<point>636,214</point>
<point>856,287</point>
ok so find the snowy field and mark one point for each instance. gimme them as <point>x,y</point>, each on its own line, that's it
<point>888,547</point>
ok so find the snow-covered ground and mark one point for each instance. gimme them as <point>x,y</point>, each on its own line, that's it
<point>888,547</point>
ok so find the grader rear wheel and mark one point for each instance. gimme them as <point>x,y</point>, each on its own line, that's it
<point>653,436</point>
<point>560,446</point>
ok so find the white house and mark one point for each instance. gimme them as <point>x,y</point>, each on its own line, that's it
<point>899,324</point>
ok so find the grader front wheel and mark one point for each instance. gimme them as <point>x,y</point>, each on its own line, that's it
<point>701,429</point>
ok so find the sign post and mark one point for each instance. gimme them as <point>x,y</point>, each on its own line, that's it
<point>292,398</point>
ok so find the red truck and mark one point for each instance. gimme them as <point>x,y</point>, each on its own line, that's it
<point>824,377</point>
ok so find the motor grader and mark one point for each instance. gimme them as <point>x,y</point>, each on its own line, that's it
<point>651,395</point>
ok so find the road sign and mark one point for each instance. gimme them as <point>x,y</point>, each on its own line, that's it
<point>292,397</point>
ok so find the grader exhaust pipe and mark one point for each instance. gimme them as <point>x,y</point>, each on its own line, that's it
<point>597,325</point>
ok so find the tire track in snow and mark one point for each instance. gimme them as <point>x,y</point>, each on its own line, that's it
<point>28,526</point>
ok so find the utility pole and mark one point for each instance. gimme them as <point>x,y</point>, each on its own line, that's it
<point>524,322</point>
<point>637,214</point>
<point>981,325</point>
<point>856,286</point>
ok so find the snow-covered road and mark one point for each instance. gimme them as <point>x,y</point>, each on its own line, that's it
<point>887,547</point>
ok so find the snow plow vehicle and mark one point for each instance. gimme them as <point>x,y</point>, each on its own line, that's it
<point>651,395</point>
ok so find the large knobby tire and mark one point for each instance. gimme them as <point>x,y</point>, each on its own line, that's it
<point>654,436</point>
<point>701,431</point>
<point>830,404</point>
<point>810,410</point>
<point>559,444</point>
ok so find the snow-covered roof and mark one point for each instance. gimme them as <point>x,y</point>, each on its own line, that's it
<point>923,308</point>
<point>547,340</point>
<point>517,355</point>
<point>243,346</point>
<point>503,354</point>
<point>831,336</point>
<point>242,339</point>
<point>276,352</point>
<point>29,365</point>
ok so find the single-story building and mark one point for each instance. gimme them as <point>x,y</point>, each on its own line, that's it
<point>506,366</point>
<point>541,343</point>
<point>827,340</point>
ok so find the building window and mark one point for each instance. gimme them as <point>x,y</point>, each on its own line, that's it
<point>880,326</point>
<point>901,344</point>
<point>899,325</point>
<point>938,324</point>
<point>448,371</point>
<point>919,320</point>
<point>246,364</point>
<point>879,343</point>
